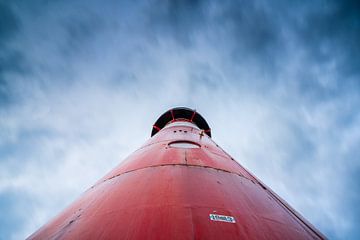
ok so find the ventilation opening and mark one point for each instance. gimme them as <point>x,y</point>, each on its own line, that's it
<point>184,144</point>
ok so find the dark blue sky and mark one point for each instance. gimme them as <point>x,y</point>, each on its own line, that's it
<point>81,84</point>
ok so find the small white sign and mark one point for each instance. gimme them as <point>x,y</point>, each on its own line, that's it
<point>222,218</point>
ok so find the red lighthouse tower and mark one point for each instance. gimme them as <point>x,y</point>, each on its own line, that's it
<point>179,185</point>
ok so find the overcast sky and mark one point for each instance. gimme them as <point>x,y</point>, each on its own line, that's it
<point>82,82</point>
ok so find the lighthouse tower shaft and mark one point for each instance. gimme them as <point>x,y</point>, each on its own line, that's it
<point>179,185</point>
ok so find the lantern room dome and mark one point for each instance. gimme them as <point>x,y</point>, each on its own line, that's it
<point>181,114</point>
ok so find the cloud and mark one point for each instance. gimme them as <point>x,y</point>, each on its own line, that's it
<point>82,83</point>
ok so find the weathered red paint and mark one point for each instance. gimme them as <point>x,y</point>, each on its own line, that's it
<point>161,192</point>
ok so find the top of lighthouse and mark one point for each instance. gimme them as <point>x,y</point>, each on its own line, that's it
<point>181,114</point>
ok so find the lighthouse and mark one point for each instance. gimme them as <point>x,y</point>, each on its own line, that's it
<point>179,185</point>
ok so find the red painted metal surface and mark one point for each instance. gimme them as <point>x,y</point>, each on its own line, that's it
<point>163,192</point>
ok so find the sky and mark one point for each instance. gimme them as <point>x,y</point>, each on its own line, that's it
<point>82,82</point>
